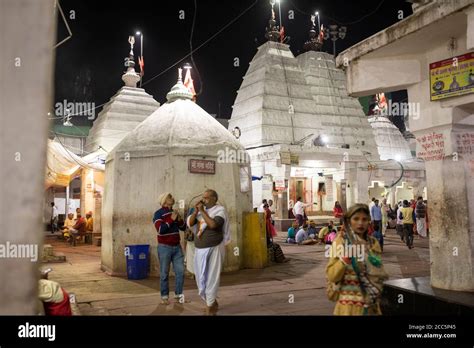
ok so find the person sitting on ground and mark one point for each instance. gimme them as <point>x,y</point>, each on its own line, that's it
<point>302,237</point>
<point>54,300</point>
<point>329,238</point>
<point>312,230</point>
<point>324,231</point>
<point>292,233</point>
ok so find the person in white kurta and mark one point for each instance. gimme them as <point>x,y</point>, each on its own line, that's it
<point>209,250</point>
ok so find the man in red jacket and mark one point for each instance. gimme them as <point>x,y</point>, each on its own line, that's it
<point>168,223</point>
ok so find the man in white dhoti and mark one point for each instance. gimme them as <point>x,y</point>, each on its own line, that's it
<point>209,247</point>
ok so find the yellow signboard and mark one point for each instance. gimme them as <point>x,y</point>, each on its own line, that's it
<point>452,77</point>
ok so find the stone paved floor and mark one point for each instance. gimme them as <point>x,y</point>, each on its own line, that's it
<point>246,292</point>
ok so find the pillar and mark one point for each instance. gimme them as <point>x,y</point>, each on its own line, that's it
<point>26,72</point>
<point>470,28</point>
<point>87,191</point>
<point>362,186</point>
<point>451,216</point>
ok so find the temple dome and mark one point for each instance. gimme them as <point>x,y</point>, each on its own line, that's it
<point>179,127</point>
<point>390,142</point>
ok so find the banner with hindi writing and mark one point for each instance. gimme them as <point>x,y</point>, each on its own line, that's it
<point>452,77</point>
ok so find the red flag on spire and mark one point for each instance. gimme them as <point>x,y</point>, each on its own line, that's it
<point>321,34</point>
<point>188,83</point>
<point>141,62</point>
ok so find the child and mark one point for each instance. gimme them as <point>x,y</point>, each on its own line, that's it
<point>330,237</point>
<point>376,233</point>
<point>201,225</point>
<point>292,233</point>
<point>323,232</point>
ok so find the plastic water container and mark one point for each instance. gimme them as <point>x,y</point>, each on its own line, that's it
<point>137,261</point>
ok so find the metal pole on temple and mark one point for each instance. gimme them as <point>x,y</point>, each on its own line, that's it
<point>272,31</point>
<point>130,78</point>
<point>279,11</point>
<point>140,59</point>
<point>336,33</point>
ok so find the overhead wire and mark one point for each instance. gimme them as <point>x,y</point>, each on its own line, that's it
<point>204,43</point>
<point>339,22</point>
<point>183,58</point>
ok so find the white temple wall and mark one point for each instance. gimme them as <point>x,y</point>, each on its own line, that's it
<point>136,200</point>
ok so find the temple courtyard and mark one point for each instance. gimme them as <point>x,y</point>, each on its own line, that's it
<point>297,287</point>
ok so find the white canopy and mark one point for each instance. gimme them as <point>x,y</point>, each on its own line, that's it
<point>62,164</point>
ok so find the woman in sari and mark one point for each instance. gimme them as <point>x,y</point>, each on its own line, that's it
<point>355,272</point>
<point>271,232</point>
<point>338,213</point>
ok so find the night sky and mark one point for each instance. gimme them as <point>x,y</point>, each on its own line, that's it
<point>89,66</point>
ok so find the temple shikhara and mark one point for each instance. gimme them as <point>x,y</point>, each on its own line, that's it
<point>308,138</point>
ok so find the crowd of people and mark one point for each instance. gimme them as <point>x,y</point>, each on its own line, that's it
<point>356,284</point>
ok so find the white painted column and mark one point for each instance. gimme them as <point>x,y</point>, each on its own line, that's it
<point>87,191</point>
<point>362,194</point>
<point>451,216</point>
<point>26,81</point>
<point>470,28</point>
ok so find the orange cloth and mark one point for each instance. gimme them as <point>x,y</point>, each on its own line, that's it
<point>90,224</point>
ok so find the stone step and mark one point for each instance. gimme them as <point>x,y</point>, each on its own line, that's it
<point>50,256</point>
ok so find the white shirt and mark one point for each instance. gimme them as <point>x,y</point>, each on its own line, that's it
<point>371,204</point>
<point>298,209</point>
<point>301,236</point>
<point>55,212</point>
